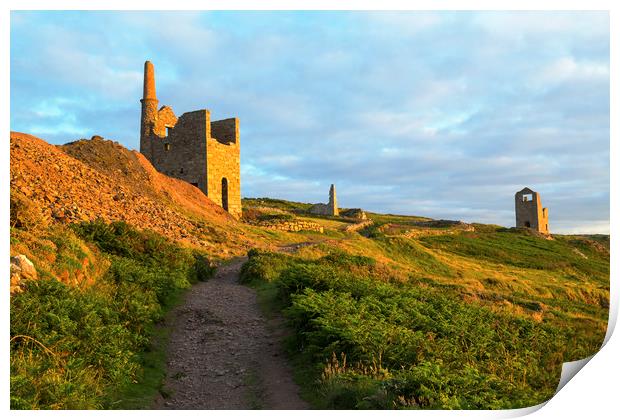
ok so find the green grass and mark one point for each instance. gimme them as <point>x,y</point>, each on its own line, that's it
<point>276,218</point>
<point>381,219</point>
<point>364,340</point>
<point>140,393</point>
<point>413,254</point>
<point>254,393</point>
<point>96,346</point>
<point>496,310</point>
<point>520,250</point>
<point>275,203</point>
<point>445,319</point>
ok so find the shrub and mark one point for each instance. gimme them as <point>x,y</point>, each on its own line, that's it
<point>251,214</point>
<point>203,268</point>
<point>24,214</point>
<point>79,348</point>
<point>280,217</point>
<point>68,346</point>
<point>407,345</point>
<point>347,260</point>
<point>263,266</point>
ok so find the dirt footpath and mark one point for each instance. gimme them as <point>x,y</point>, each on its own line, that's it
<point>223,354</point>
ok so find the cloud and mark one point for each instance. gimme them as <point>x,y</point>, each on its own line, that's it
<point>524,26</point>
<point>441,114</point>
<point>567,69</point>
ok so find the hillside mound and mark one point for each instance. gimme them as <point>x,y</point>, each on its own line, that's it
<point>133,170</point>
<point>91,179</point>
<point>109,157</point>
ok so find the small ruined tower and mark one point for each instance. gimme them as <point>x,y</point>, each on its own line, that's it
<point>529,211</point>
<point>149,110</point>
<point>333,203</point>
<point>329,209</point>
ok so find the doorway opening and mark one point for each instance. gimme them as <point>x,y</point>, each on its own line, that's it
<point>225,194</point>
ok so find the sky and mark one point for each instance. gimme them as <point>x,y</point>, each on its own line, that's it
<point>437,114</point>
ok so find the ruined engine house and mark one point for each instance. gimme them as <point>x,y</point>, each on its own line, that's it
<point>191,147</point>
<point>529,211</point>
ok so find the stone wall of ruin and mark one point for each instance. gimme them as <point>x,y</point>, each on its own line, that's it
<point>226,131</point>
<point>223,162</point>
<point>165,119</point>
<point>183,153</point>
<point>329,209</point>
<point>190,152</point>
<point>322,209</point>
<point>531,211</point>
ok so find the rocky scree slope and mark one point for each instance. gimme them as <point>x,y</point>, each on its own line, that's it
<point>90,179</point>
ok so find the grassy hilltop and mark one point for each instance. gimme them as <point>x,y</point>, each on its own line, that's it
<point>419,314</point>
<point>407,312</point>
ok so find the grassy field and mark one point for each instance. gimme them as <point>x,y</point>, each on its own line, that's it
<point>403,314</point>
<point>448,318</point>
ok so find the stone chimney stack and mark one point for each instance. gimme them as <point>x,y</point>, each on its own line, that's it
<point>149,111</point>
<point>333,202</point>
<point>149,81</point>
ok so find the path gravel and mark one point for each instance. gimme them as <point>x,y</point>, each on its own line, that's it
<point>224,354</point>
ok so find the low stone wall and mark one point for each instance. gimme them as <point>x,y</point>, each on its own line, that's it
<point>427,228</point>
<point>419,232</point>
<point>291,226</point>
<point>357,226</point>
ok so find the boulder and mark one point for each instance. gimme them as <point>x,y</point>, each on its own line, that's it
<point>21,265</point>
<point>21,268</point>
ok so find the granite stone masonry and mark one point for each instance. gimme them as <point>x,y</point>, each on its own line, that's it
<point>291,226</point>
<point>191,147</point>
<point>529,211</point>
<point>329,209</point>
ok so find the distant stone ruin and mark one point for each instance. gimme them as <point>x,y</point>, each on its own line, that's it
<point>354,214</point>
<point>529,211</point>
<point>329,209</point>
<point>191,147</point>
